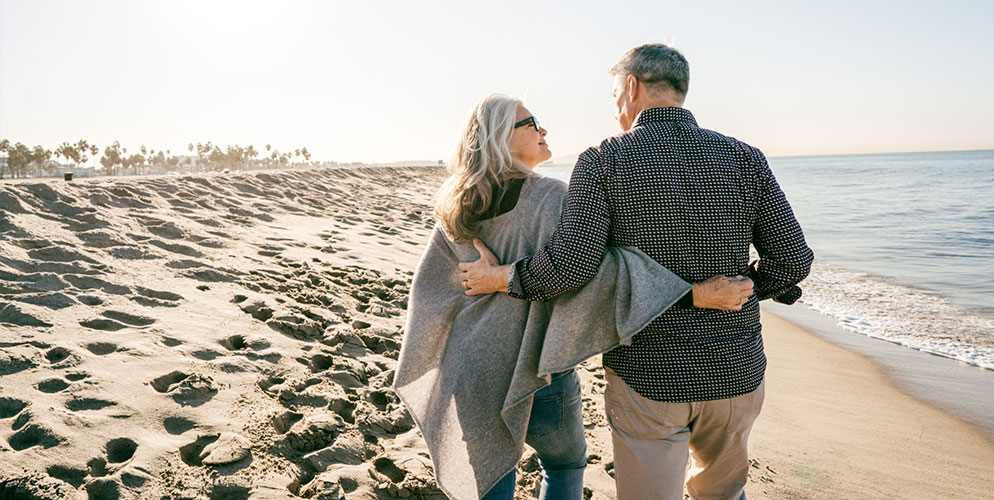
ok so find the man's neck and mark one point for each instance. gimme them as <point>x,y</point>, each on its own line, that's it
<point>659,103</point>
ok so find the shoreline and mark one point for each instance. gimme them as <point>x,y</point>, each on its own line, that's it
<point>945,383</point>
<point>835,424</point>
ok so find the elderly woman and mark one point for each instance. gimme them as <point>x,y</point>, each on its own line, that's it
<point>483,375</point>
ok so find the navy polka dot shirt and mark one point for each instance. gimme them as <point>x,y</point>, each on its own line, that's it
<point>694,200</point>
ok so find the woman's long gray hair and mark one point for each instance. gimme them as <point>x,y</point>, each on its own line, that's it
<point>482,159</point>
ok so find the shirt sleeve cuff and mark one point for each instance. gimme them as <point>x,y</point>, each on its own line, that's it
<point>790,296</point>
<point>687,301</point>
<point>514,287</point>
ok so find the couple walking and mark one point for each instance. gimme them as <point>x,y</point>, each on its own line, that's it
<point>644,257</point>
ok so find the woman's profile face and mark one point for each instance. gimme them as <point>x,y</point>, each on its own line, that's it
<point>528,141</point>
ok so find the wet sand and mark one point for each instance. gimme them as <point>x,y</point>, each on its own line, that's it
<point>834,425</point>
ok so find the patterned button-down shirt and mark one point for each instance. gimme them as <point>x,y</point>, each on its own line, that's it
<point>694,200</point>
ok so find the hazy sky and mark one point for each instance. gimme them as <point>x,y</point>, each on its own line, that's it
<point>385,81</point>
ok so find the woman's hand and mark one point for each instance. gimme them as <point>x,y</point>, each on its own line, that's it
<point>723,292</point>
<point>483,276</point>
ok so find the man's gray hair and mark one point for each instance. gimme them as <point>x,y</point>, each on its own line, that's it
<point>656,65</point>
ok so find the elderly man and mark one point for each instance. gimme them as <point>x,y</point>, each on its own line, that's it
<point>694,200</point>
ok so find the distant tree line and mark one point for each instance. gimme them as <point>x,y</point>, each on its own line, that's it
<point>37,161</point>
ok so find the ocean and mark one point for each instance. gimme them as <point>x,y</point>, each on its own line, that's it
<point>904,245</point>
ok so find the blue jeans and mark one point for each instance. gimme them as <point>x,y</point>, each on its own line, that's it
<point>555,431</point>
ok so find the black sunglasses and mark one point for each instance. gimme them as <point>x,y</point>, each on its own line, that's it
<point>529,121</point>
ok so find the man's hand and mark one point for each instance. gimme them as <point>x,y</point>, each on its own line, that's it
<point>483,276</point>
<point>723,292</point>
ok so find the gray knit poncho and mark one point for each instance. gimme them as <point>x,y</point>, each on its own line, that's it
<point>469,366</point>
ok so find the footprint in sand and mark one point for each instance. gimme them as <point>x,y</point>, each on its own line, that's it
<point>33,435</point>
<point>184,264</point>
<point>258,310</point>
<point>269,384</point>
<point>206,354</point>
<point>90,283</point>
<point>101,348</point>
<point>117,321</point>
<point>240,342</point>
<point>185,388</point>
<point>170,342</point>
<point>102,489</point>
<point>166,229</point>
<point>54,300</point>
<point>387,467</point>
<point>90,300</point>
<point>97,467</point>
<point>10,407</point>
<point>158,294</point>
<point>85,404</point>
<point>216,449</point>
<point>284,421</point>
<point>320,362</point>
<point>52,385</point>
<point>104,325</point>
<point>99,239</point>
<point>177,425</point>
<point>343,407</point>
<point>213,275</point>
<point>74,476</point>
<point>58,254</point>
<point>13,315</point>
<point>230,492</point>
<point>130,319</point>
<point>156,298</point>
<point>120,450</point>
<point>177,248</point>
<point>60,357</point>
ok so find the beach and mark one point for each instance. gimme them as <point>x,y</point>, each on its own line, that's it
<point>234,336</point>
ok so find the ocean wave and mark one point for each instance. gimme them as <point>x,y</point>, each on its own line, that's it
<point>915,318</point>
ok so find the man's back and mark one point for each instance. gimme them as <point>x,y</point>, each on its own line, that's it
<point>683,194</point>
<point>693,200</point>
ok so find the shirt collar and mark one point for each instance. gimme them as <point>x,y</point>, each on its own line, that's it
<point>664,115</point>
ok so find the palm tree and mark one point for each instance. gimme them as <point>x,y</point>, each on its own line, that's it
<point>64,150</point>
<point>80,150</point>
<point>4,147</point>
<point>94,151</point>
<point>38,156</point>
<point>306,154</point>
<point>112,157</point>
<point>251,153</point>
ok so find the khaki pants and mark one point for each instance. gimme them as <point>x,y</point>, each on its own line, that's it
<point>652,440</point>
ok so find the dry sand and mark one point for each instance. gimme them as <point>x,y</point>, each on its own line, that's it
<point>232,337</point>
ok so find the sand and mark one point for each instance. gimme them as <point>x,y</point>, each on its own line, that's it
<point>234,336</point>
<point>834,426</point>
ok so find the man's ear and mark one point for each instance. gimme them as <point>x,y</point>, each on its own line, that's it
<point>633,88</point>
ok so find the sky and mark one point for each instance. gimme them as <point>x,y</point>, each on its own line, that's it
<point>382,81</point>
